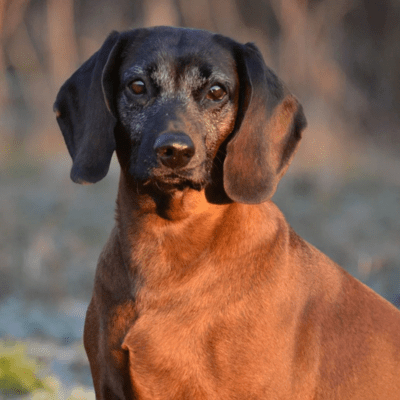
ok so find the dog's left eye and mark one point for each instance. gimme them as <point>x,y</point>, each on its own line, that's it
<point>216,93</point>
<point>138,87</point>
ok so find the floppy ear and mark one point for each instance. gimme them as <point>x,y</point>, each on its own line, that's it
<point>84,116</point>
<point>268,130</point>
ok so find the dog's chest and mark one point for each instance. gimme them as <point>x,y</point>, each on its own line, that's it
<point>166,357</point>
<point>177,354</point>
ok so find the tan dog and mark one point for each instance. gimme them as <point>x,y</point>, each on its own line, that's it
<point>203,291</point>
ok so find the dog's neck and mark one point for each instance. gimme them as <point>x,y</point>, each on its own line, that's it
<point>177,228</point>
<point>182,227</point>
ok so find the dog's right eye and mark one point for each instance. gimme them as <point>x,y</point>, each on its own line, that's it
<point>216,93</point>
<point>138,87</point>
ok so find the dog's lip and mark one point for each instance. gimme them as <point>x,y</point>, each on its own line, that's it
<point>171,187</point>
<point>186,174</point>
<point>173,181</point>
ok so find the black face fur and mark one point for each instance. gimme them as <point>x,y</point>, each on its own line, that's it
<point>176,77</point>
<point>207,92</point>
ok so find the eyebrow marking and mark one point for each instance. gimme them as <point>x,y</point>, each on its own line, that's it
<point>135,70</point>
<point>170,74</point>
<point>163,75</point>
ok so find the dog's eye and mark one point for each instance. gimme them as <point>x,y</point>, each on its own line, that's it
<point>138,87</point>
<point>216,93</point>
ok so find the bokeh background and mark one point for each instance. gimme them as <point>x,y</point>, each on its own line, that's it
<point>342,193</point>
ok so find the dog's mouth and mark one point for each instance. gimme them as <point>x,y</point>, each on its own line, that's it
<point>169,180</point>
<point>169,183</point>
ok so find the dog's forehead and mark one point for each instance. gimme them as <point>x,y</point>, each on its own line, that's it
<point>179,54</point>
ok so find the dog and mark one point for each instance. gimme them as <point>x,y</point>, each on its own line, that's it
<point>203,290</point>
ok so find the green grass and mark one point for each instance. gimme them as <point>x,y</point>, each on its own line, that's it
<point>22,377</point>
<point>18,372</point>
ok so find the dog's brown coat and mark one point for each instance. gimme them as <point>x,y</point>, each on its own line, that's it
<point>202,299</point>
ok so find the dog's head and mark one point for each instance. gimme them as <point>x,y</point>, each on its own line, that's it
<point>177,104</point>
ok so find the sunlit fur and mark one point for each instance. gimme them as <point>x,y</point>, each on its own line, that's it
<point>203,290</point>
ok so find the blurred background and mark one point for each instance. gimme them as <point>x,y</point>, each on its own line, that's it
<point>342,193</point>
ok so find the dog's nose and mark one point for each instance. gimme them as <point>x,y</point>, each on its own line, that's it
<point>174,150</point>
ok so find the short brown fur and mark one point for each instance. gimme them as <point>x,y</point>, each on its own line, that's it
<point>202,299</point>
